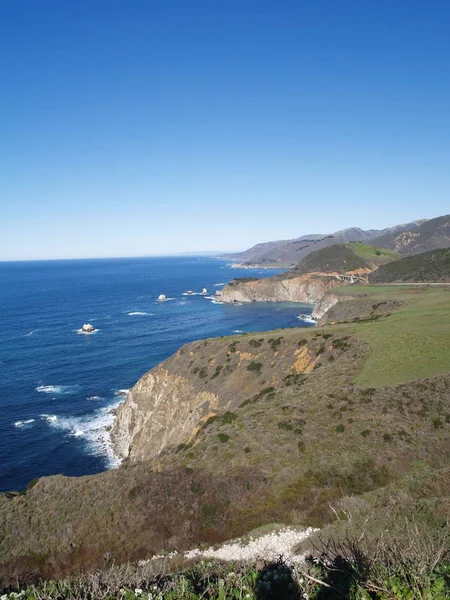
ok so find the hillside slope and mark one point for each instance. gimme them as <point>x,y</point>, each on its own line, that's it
<point>344,258</point>
<point>289,252</point>
<point>430,267</point>
<point>431,235</point>
<point>279,427</point>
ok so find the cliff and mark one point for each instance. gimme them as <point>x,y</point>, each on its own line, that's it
<point>307,289</point>
<point>170,404</point>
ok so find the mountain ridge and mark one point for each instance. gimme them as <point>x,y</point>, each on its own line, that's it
<point>289,252</point>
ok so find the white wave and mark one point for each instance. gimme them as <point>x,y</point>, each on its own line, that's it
<point>31,332</point>
<point>237,331</point>
<point>81,332</point>
<point>94,398</point>
<point>57,389</point>
<point>123,392</point>
<point>214,301</point>
<point>93,429</point>
<point>221,284</point>
<point>307,319</point>
<point>138,314</point>
<point>23,424</point>
<point>49,418</point>
<point>191,294</point>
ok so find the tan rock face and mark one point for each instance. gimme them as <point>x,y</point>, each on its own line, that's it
<point>170,404</point>
<point>307,289</point>
<point>161,410</point>
<point>323,306</point>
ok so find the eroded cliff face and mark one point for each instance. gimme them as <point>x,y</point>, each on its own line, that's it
<point>169,406</point>
<point>161,410</point>
<point>305,288</point>
<point>323,305</point>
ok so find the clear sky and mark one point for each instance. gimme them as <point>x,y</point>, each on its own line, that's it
<point>137,127</point>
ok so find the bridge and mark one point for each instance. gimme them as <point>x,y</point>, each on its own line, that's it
<point>350,278</point>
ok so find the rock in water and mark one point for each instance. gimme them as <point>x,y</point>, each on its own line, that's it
<point>88,328</point>
<point>162,298</point>
<point>205,291</point>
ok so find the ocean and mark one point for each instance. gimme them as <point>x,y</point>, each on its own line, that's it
<point>58,387</point>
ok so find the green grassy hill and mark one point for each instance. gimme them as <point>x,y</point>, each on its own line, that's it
<point>343,258</point>
<point>431,266</point>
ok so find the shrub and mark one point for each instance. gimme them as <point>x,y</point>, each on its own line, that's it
<point>365,433</point>
<point>203,373</point>
<point>255,343</point>
<point>228,417</point>
<point>274,343</point>
<point>340,428</point>
<point>301,446</point>
<point>295,379</point>
<point>223,437</point>
<point>255,367</point>
<point>285,425</point>
<point>340,343</point>
<point>217,371</point>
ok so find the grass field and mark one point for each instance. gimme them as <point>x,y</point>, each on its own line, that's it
<point>413,342</point>
<point>373,254</point>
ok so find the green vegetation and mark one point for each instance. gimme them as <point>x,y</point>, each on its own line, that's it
<point>373,255</point>
<point>431,266</point>
<point>412,343</point>
<point>238,280</point>
<point>407,562</point>
<point>343,258</point>
<point>254,366</point>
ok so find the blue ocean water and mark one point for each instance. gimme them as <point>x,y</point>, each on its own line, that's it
<point>57,386</point>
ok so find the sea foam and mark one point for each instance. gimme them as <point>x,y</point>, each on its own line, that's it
<point>24,424</point>
<point>92,428</point>
<point>57,389</point>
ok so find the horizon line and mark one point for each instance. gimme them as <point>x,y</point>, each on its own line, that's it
<point>205,254</point>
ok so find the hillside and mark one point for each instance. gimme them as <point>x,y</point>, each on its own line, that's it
<point>430,267</point>
<point>344,258</point>
<point>233,433</point>
<point>289,252</point>
<point>430,235</point>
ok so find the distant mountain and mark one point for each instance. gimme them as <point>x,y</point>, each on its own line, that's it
<point>289,252</point>
<point>429,235</point>
<point>344,258</point>
<point>433,266</point>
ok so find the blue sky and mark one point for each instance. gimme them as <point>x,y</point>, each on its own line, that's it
<point>150,127</point>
